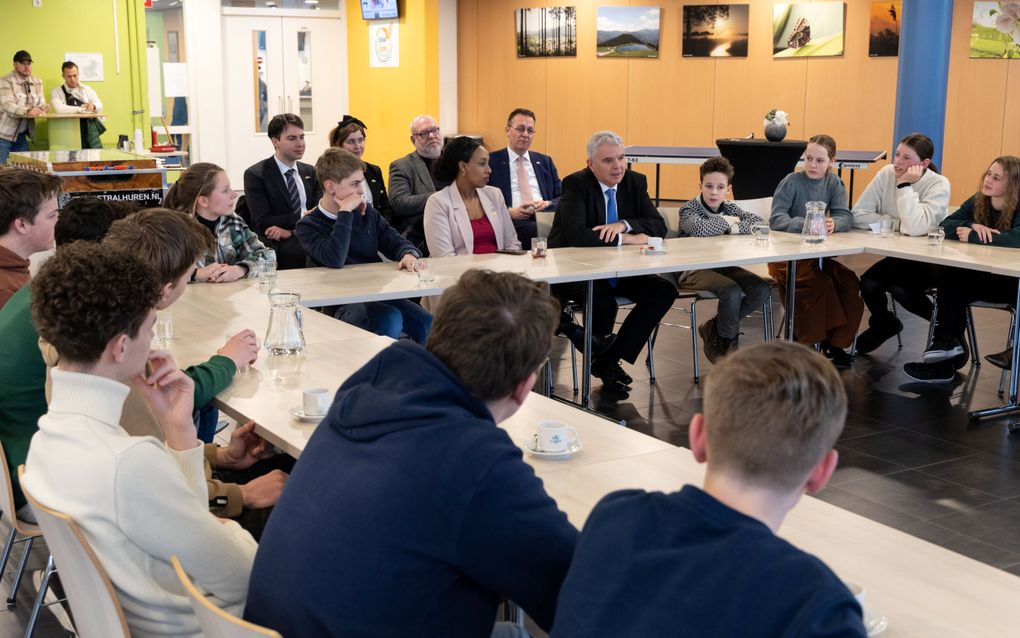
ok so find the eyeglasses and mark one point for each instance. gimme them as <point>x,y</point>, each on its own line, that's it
<point>427,133</point>
<point>521,130</point>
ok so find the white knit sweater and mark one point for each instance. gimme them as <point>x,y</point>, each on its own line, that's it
<point>138,503</point>
<point>918,206</point>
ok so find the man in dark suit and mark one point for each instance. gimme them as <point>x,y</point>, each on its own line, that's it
<point>607,205</point>
<point>528,179</point>
<point>279,189</point>
<point>411,181</point>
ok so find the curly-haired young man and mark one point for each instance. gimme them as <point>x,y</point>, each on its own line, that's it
<point>139,501</point>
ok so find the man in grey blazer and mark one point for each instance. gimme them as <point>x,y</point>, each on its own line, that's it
<point>411,180</point>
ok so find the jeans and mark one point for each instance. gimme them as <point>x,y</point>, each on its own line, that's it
<point>389,318</point>
<point>206,419</point>
<point>6,146</point>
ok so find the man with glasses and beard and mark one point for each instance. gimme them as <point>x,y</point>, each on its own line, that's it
<point>411,180</point>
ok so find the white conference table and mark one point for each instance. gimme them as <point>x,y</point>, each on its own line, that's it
<point>923,589</point>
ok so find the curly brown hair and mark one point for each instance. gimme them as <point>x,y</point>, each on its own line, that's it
<point>87,294</point>
<point>983,211</point>
<point>493,330</point>
<point>716,165</point>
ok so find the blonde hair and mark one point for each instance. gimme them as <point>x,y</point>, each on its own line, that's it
<point>336,164</point>
<point>772,411</point>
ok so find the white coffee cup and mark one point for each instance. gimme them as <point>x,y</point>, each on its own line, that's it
<point>655,243</point>
<point>857,591</point>
<point>315,401</point>
<point>555,436</point>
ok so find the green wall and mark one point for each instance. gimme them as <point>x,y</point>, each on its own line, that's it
<point>86,26</point>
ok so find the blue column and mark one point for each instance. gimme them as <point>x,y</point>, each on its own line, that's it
<point>923,74</point>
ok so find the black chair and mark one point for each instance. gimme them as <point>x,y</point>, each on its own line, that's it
<point>759,165</point>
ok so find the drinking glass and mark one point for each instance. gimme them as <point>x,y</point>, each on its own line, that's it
<point>538,246</point>
<point>424,269</point>
<point>761,232</point>
<point>886,230</point>
<point>935,235</point>
<point>267,275</point>
<point>163,330</point>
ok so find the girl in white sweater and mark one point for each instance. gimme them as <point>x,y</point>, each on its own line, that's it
<point>911,190</point>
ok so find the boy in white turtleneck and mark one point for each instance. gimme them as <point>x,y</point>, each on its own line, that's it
<point>138,501</point>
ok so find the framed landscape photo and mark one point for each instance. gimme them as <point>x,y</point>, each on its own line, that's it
<point>884,39</point>
<point>715,31</point>
<point>627,32</point>
<point>807,29</point>
<point>547,32</point>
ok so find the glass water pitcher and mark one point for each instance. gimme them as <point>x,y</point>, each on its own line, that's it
<point>285,334</point>
<point>813,231</point>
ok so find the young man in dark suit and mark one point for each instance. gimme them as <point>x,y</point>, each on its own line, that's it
<point>607,205</point>
<point>279,189</point>
<point>540,188</point>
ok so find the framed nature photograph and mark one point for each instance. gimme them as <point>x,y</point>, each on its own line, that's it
<point>628,32</point>
<point>715,31</point>
<point>884,40</point>
<point>807,29</point>
<point>547,32</point>
<point>995,30</point>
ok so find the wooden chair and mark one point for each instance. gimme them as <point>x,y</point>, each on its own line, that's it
<point>215,622</point>
<point>94,603</point>
<point>21,531</point>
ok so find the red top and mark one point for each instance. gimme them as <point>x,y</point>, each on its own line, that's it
<point>485,236</point>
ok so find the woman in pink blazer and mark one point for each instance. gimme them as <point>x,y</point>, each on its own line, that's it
<point>467,217</point>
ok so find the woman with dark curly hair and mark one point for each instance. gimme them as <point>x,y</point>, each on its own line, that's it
<point>468,216</point>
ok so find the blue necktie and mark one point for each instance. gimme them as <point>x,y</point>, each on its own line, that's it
<point>611,218</point>
<point>295,198</point>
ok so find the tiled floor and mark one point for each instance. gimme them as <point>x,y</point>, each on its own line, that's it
<point>909,458</point>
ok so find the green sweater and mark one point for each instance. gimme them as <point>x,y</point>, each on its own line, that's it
<point>964,217</point>
<point>23,382</point>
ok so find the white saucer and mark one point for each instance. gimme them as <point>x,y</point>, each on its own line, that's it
<point>649,251</point>
<point>299,413</point>
<point>574,447</point>
<point>875,624</point>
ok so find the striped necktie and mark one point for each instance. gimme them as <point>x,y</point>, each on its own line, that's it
<point>292,190</point>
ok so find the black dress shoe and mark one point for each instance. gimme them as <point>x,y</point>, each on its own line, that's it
<point>574,332</point>
<point>610,374</point>
<point>1002,359</point>
<point>878,333</point>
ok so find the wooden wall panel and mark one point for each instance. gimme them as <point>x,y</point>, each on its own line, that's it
<point>975,110</point>
<point>673,100</point>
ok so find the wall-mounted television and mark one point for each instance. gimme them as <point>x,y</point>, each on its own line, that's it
<point>379,9</point>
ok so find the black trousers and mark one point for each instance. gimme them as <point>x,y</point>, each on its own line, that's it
<point>960,287</point>
<point>906,280</point>
<point>652,297</point>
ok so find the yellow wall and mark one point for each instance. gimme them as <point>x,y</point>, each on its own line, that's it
<point>386,99</point>
<point>60,26</point>
<point>680,101</point>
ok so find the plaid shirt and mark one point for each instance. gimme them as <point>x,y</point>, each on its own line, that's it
<point>15,101</point>
<point>236,245</point>
<point>698,221</point>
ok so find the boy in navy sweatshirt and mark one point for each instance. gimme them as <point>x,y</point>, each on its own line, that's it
<point>410,513</point>
<point>707,562</point>
<point>344,229</point>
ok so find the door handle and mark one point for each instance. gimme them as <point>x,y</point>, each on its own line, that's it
<point>290,105</point>
<point>279,104</point>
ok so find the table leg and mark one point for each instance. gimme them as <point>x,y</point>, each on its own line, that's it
<point>791,289</point>
<point>1011,401</point>
<point>658,180</point>
<point>586,368</point>
<point>850,196</point>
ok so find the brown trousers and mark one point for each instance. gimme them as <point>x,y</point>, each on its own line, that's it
<point>828,301</point>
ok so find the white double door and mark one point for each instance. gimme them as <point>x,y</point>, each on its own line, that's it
<point>279,65</point>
